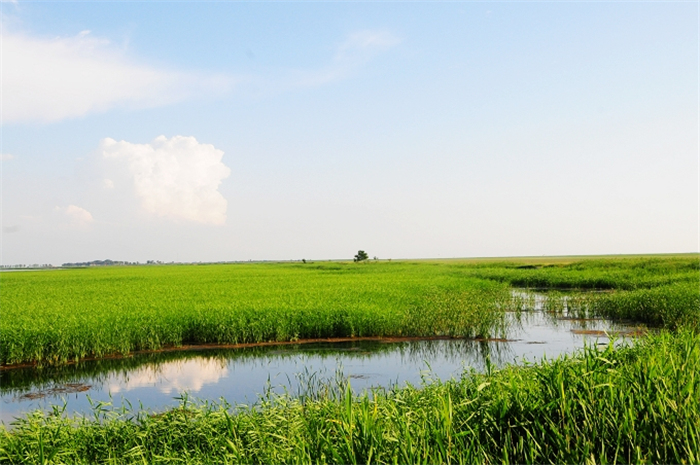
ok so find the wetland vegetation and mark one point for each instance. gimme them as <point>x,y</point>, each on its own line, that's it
<point>51,317</point>
<point>638,401</point>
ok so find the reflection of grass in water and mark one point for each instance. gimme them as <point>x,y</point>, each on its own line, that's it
<point>458,350</point>
<point>22,380</point>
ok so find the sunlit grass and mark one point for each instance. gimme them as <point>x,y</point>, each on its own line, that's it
<point>55,316</point>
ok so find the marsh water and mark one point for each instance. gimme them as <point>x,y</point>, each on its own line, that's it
<point>155,381</point>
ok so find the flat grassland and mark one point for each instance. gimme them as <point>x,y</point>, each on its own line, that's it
<point>56,316</point>
<point>634,403</point>
<point>63,315</point>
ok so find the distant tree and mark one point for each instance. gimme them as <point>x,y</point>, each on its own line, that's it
<point>361,255</point>
<point>303,260</point>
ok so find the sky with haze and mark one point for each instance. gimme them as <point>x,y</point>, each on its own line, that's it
<point>221,131</point>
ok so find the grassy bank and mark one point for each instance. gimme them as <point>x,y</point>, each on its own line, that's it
<point>626,405</point>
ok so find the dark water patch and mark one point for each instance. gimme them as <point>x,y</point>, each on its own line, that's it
<point>58,389</point>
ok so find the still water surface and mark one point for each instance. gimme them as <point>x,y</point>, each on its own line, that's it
<point>242,375</point>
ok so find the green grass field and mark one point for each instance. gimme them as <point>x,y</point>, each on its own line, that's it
<point>56,316</point>
<point>638,403</point>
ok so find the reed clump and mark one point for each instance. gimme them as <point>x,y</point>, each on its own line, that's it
<point>669,306</point>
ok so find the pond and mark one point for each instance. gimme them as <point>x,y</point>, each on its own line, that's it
<point>156,380</point>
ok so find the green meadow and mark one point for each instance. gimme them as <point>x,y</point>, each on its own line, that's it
<point>62,315</point>
<point>635,402</point>
<point>57,316</point>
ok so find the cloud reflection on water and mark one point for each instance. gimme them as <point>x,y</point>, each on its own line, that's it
<point>172,377</point>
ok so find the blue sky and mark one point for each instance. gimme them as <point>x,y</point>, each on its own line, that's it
<point>235,131</point>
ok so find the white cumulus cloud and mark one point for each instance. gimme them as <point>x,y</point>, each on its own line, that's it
<point>176,178</point>
<point>78,216</point>
<point>53,79</point>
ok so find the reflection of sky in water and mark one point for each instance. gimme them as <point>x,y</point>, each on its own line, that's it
<point>243,376</point>
<point>172,377</point>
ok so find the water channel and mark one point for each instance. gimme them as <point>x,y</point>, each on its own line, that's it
<point>156,380</point>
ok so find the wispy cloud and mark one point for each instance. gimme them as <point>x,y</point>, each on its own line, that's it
<point>66,77</point>
<point>367,41</point>
<point>176,178</point>
<point>350,55</point>
<point>347,58</point>
<point>6,157</point>
<point>47,80</point>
